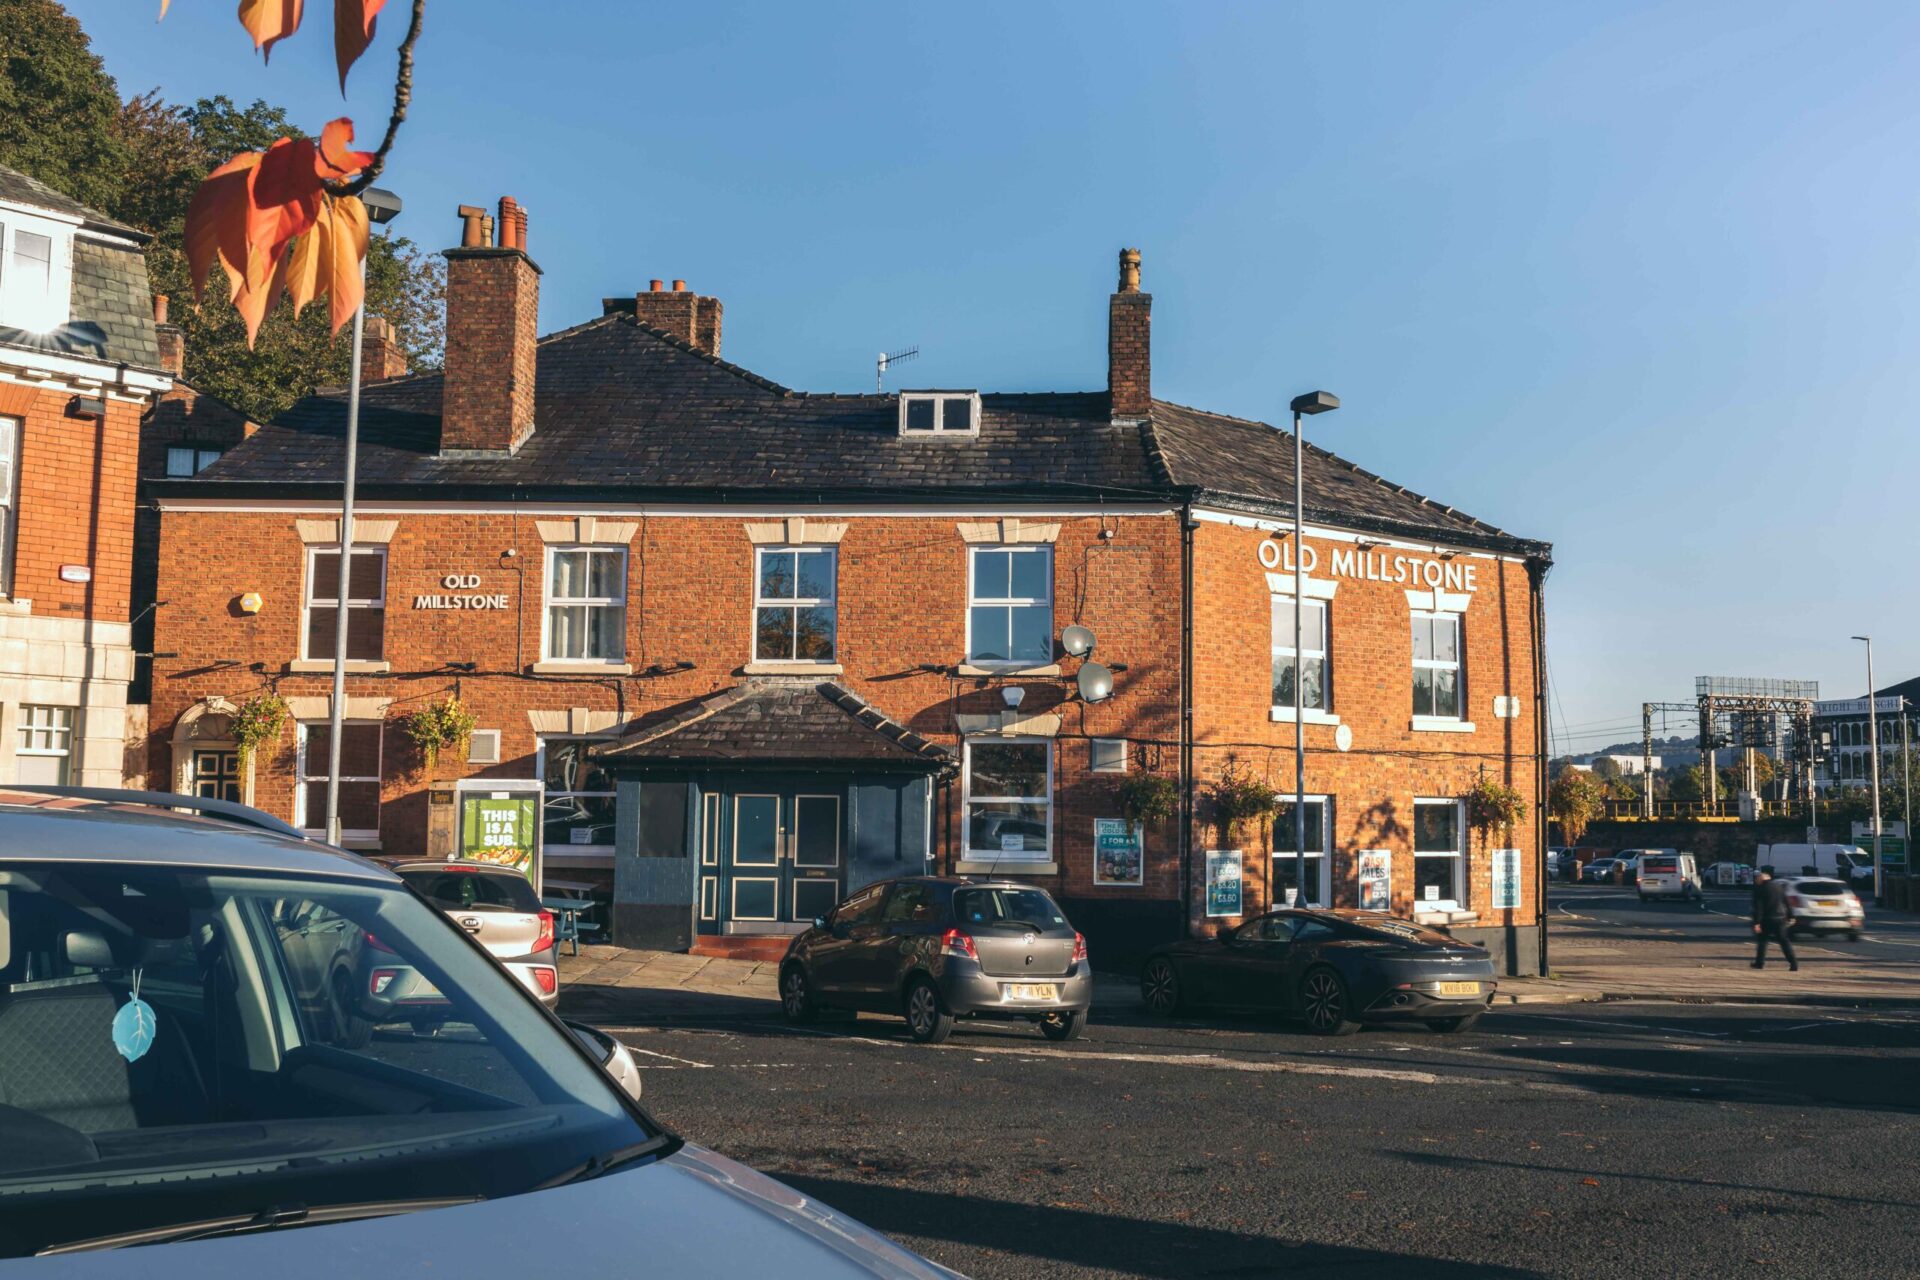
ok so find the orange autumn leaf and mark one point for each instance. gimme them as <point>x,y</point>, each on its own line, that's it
<point>347,246</point>
<point>302,273</point>
<point>352,32</point>
<point>217,219</point>
<point>334,161</point>
<point>269,22</point>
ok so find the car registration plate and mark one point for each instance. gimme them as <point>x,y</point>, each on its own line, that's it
<point>1031,991</point>
<point>1826,902</point>
<point>1459,988</point>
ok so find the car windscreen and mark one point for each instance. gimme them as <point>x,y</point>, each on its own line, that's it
<point>250,1041</point>
<point>1027,908</point>
<point>1819,888</point>
<point>465,889</point>
<point>1652,864</point>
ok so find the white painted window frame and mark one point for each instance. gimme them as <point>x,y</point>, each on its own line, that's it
<point>1009,602</point>
<point>549,602</point>
<point>540,771</point>
<point>309,601</point>
<point>1326,842</point>
<point>1283,648</point>
<point>37,314</point>
<point>301,776</point>
<point>1458,855</point>
<point>796,603</point>
<point>11,429</point>
<point>46,737</point>
<point>1457,664</point>
<point>939,430</point>
<point>1093,758</point>
<point>198,459</point>
<point>968,799</point>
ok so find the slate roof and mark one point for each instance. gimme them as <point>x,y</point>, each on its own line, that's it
<point>779,721</point>
<point>625,412</point>
<point>112,305</point>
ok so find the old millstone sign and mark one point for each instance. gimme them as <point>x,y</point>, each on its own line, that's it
<point>752,647</point>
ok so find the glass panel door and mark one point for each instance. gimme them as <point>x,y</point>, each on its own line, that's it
<point>782,862</point>
<point>754,893</point>
<point>816,856</point>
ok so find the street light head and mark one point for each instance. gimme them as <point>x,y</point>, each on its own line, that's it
<point>1864,639</point>
<point>382,205</point>
<point>1315,402</point>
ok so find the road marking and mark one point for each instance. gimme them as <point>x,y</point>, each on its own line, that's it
<point>685,1062</point>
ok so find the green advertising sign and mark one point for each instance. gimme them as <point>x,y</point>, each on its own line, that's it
<point>501,831</point>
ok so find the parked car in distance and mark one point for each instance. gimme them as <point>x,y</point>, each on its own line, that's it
<point>1667,873</point>
<point>1729,874</point>
<point>1332,968</point>
<point>941,948</point>
<point>150,953</point>
<point>1819,904</point>
<point>1599,871</point>
<point>498,906</point>
<point>1848,862</point>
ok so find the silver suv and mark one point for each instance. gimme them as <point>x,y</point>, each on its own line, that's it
<point>179,1061</point>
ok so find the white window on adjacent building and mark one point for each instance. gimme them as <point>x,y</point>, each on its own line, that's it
<point>586,617</point>
<point>35,272</point>
<point>359,778</point>
<point>366,603</point>
<point>43,747</point>
<point>1436,665</point>
<point>1010,612</point>
<point>794,611</point>
<point>939,413</point>
<point>1107,755</point>
<point>189,459</point>
<point>1311,660</point>
<point>579,797</point>
<point>1439,848</point>
<point>9,476</point>
<point>1008,787</point>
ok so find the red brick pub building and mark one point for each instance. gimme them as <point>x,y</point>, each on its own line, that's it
<point>758,647</point>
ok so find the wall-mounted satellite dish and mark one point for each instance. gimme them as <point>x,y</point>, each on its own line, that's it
<point>1077,641</point>
<point>1096,682</point>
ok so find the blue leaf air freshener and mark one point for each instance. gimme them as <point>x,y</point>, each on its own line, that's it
<point>134,1025</point>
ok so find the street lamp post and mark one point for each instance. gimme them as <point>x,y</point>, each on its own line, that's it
<point>1873,760</point>
<point>1303,406</point>
<point>382,207</point>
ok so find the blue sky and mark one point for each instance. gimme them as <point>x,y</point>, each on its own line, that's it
<point>1639,279</point>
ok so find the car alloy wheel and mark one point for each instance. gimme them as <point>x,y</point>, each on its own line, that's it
<point>929,1023</point>
<point>1160,987</point>
<point>1323,1000</point>
<point>796,1001</point>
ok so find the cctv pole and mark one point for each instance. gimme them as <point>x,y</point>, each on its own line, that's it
<point>338,702</point>
<point>1873,758</point>
<point>1299,681</point>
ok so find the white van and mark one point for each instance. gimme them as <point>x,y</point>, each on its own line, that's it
<point>1668,873</point>
<point>1847,862</point>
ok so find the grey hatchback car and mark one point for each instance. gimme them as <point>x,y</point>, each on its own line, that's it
<point>938,948</point>
<point>174,1071</point>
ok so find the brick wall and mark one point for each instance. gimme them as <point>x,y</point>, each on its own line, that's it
<point>1374,783</point>
<point>493,303</point>
<point>75,501</point>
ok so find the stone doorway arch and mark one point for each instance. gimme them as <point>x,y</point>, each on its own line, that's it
<point>207,727</point>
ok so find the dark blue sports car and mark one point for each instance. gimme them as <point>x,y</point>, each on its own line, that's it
<point>1333,969</point>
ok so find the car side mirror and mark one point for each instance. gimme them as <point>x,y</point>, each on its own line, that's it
<point>614,1057</point>
<point>819,922</point>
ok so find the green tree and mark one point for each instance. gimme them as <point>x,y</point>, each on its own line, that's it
<point>1688,785</point>
<point>1574,800</point>
<point>58,106</point>
<point>1606,768</point>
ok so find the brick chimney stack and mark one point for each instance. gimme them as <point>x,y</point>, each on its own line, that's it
<point>691,317</point>
<point>493,305</point>
<point>1130,344</point>
<point>172,339</point>
<point>380,355</point>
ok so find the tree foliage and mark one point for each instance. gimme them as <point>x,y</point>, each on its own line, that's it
<point>1574,800</point>
<point>58,105</point>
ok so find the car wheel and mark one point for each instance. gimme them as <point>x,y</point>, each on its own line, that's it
<point>1064,1026</point>
<point>1447,1026</point>
<point>927,1018</point>
<point>796,995</point>
<point>1160,988</point>
<point>1324,1005</point>
<point>427,1026</point>
<point>351,1031</point>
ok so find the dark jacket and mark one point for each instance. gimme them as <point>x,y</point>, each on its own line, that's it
<point>1770,902</point>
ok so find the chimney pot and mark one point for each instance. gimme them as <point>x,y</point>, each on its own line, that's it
<point>159,308</point>
<point>1129,271</point>
<point>1130,343</point>
<point>474,232</point>
<point>656,286</point>
<point>679,286</point>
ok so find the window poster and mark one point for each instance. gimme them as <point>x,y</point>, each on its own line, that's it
<point>1376,880</point>
<point>1119,852</point>
<point>501,830</point>
<point>1506,879</point>
<point>1223,882</point>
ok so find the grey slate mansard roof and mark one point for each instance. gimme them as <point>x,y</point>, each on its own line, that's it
<point>112,309</point>
<point>774,722</point>
<point>625,412</point>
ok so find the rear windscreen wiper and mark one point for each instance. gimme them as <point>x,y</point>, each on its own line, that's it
<point>272,1219</point>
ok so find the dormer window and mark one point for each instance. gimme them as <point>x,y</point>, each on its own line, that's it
<point>34,271</point>
<point>939,413</point>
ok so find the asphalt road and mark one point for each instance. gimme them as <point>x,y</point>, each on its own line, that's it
<point>1890,935</point>
<point>1618,1139</point>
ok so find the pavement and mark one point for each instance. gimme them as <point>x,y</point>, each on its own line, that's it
<point>1604,945</point>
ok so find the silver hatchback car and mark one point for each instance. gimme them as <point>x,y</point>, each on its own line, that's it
<point>176,1069</point>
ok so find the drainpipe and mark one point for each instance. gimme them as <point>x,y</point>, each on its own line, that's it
<point>1536,579</point>
<point>1186,720</point>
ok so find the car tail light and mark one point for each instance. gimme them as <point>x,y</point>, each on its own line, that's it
<point>545,979</point>
<point>545,939</point>
<point>1079,946</point>
<point>1795,900</point>
<point>378,945</point>
<point>380,979</point>
<point>955,943</point>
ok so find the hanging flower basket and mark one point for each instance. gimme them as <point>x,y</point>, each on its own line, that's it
<point>440,726</point>
<point>258,721</point>
<point>1148,797</point>
<point>1493,806</point>
<point>1238,797</point>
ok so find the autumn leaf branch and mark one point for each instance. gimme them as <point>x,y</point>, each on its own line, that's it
<point>402,99</point>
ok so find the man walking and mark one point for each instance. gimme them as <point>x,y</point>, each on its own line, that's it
<point>1771,919</point>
